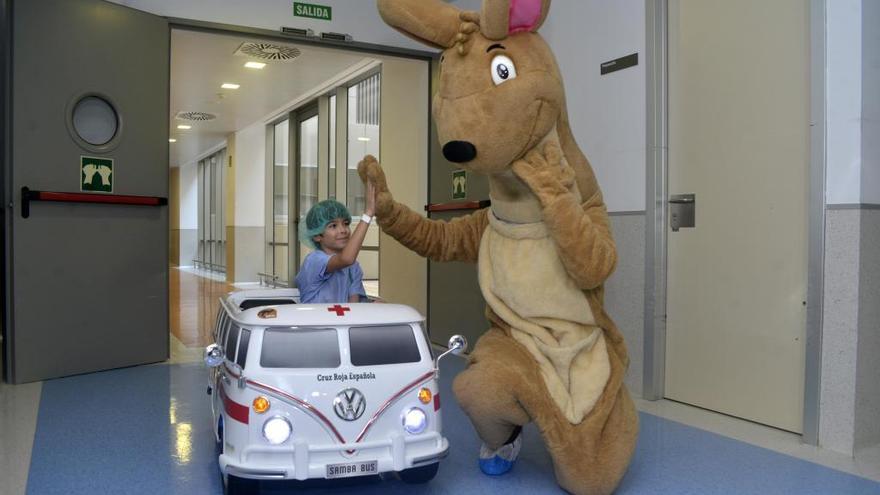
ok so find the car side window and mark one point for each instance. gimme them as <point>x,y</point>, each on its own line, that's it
<point>231,341</point>
<point>243,343</point>
<point>218,325</point>
<point>221,332</point>
<point>383,345</point>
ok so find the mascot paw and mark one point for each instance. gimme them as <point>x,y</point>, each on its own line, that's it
<point>498,462</point>
<point>370,171</point>
<point>545,171</point>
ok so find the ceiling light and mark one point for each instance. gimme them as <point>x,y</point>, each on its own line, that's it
<point>172,140</point>
<point>230,86</point>
<point>255,65</point>
<point>363,139</point>
<point>184,126</point>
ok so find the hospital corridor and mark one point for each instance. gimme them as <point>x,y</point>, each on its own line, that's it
<point>440,247</point>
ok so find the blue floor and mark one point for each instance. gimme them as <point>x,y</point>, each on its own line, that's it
<point>146,430</point>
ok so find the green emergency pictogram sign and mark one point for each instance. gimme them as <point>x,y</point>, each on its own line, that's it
<point>459,184</point>
<point>312,11</point>
<point>96,174</point>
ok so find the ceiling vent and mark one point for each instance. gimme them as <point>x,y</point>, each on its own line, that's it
<point>267,51</point>
<point>195,116</point>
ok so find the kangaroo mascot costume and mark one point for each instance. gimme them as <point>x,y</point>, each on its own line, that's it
<point>543,249</point>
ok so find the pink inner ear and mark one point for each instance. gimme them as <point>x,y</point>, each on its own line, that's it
<point>524,15</point>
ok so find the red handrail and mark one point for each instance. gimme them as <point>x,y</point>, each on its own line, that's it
<point>462,205</point>
<point>28,195</point>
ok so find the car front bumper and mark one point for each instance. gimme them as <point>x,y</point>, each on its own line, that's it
<point>302,461</point>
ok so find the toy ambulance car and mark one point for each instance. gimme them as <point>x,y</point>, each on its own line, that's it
<point>303,391</point>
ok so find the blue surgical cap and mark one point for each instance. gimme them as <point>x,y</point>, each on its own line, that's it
<point>317,219</point>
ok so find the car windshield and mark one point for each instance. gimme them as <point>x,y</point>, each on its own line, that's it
<point>300,348</point>
<point>383,345</point>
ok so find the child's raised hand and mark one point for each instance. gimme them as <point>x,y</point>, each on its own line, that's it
<point>370,208</point>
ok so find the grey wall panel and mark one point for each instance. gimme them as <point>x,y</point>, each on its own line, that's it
<point>625,291</point>
<point>867,427</point>
<point>456,305</point>
<point>249,253</point>
<point>840,330</point>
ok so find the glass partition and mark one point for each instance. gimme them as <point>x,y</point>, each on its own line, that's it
<point>278,248</point>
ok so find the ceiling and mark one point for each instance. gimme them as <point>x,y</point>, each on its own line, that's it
<point>201,62</point>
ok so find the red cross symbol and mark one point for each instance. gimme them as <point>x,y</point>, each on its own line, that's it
<point>340,310</point>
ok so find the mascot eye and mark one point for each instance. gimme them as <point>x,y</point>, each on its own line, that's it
<point>503,69</point>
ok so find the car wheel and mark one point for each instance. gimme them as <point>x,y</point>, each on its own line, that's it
<point>220,434</point>
<point>233,485</point>
<point>421,474</point>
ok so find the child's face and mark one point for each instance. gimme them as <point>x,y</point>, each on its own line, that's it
<point>335,235</point>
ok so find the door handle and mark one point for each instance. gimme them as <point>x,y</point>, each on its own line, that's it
<point>682,211</point>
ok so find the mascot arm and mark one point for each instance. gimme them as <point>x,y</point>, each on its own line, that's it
<point>581,230</point>
<point>583,238</point>
<point>455,240</point>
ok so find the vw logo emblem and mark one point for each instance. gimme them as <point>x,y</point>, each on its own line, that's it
<point>350,404</point>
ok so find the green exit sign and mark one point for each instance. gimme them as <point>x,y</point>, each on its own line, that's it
<point>313,11</point>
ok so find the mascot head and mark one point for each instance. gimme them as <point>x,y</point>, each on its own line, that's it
<point>500,90</point>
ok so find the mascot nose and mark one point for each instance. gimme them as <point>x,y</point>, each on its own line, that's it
<point>459,151</point>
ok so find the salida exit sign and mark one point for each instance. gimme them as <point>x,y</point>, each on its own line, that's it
<point>312,11</point>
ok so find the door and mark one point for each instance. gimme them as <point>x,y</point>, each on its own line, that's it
<point>738,141</point>
<point>87,284</point>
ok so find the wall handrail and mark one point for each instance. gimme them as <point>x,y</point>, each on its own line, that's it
<point>28,195</point>
<point>461,205</point>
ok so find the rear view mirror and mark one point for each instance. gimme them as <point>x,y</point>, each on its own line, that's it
<point>214,355</point>
<point>458,344</point>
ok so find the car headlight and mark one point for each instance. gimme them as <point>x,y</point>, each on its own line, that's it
<point>277,430</point>
<point>415,420</point>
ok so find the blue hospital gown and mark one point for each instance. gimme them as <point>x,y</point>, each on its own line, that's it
<point>317,286</point>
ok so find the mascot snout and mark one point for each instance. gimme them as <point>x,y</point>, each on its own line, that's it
<point>459,151</point>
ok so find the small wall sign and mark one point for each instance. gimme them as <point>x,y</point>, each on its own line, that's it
<point>312,11</point>
<point>96,174</point>
<point>459,184</point>
<point>619,64</point>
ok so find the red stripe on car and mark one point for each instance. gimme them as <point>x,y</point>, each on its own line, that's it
<point>234,410</point>
<point>436,402</point>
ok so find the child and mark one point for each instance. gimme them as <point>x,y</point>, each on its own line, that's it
<point>331,273</point>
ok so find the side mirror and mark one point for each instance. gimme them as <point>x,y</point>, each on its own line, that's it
<point>214,355</point>
<point>457,345</point>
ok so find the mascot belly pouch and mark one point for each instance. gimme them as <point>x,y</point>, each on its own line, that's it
<point>543,249</point>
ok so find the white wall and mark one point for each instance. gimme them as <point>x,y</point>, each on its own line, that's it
<point>844,101</point>
<point>189,192</point>
<point>871,102</point>
<point>358,18</point>
<point>607,113</point>
<point>250,173</point>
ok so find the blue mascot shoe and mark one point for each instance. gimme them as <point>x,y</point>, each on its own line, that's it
<point>498,462</point>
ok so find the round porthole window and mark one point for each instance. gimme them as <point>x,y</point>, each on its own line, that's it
<point>95,120</point>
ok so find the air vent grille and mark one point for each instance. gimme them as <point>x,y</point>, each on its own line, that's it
<point>268,51</point>
<point>195,116</point>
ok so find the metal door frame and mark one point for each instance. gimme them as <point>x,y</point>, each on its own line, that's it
<point>5,135</point>
<point>656,53</point>
<point>431,58</point>
<point>294,180</point>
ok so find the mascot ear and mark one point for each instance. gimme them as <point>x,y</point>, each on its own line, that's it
<point>432,22</point>
<point>501,18</point>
